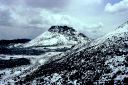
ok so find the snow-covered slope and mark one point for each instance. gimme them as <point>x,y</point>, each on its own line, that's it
<point>58,36</point>
<point>119,34</point>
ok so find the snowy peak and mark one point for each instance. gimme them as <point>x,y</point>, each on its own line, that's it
<point>65,30</point>
<point>62,29</point>
<point>57,36</point>
<point>123,25</point>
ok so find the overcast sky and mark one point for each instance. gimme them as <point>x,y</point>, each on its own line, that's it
<point>30,18</point>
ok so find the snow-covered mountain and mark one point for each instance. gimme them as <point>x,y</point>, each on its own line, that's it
<point>58,36</point>
<point>103,61</point>
<point>53,43</point>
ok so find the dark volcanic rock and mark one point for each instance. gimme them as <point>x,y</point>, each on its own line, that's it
<point>13,63</point>
<point>20,51</point>
<point>62,29</point>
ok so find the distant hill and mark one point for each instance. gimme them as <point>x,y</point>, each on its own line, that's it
<point>14,41</point>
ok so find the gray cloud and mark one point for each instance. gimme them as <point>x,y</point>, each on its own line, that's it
<point>5,17</point>
<point>121,6</point>
<point>7,32</point>
<point>48,4</point>
<point>8,2</point>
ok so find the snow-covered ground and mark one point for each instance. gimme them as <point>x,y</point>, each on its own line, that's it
<point>10,74</point>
